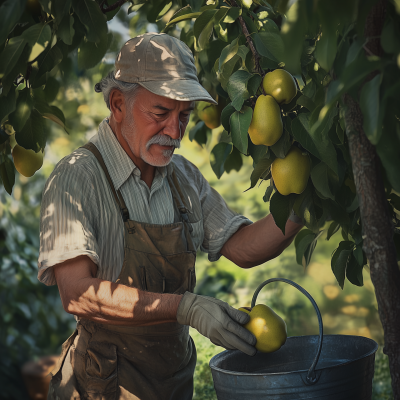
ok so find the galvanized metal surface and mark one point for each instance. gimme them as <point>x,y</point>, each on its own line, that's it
<point>344,371</point>
<point>326,367</point>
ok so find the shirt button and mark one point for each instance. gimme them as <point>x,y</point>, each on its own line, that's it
<point>136,172</point>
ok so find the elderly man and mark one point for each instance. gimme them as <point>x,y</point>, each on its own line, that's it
<point>121,222</point>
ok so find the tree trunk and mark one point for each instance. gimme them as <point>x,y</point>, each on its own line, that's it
<point>376,220</point>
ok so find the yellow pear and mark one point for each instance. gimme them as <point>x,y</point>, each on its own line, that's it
<point>266,126</point>
<point>244,310</point>
<point>290,174</point>
<point>26,162</point>
<point>210,114</point>
<point>268,328</point>
<point>280,85</point>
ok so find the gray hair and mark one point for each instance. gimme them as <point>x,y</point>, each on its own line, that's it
<point>109,83</point>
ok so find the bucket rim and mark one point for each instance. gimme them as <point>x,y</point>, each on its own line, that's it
<point>376,346</point>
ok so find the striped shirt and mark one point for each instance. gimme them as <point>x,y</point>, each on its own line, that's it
<point>79,215</point>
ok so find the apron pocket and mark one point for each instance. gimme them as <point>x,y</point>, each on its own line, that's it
<point>101,371</point>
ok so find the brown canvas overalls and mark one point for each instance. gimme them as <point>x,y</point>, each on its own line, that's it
<point>154,362</point>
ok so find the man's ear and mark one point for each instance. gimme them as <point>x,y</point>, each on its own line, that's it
<point>117,105</point>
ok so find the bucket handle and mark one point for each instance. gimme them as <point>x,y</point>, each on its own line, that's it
<point>311,376</point>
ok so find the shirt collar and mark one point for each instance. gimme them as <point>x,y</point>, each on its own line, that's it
<point>118,163</point>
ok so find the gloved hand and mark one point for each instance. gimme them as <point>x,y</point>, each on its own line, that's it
<point>218,321</point>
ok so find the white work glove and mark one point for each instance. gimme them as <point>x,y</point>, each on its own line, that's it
<point>217,321</point>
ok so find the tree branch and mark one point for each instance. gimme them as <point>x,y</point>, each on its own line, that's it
<point>111,8</point>
<point>250,42</point>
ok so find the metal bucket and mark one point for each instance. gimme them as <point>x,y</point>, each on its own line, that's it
<point>341,369</point>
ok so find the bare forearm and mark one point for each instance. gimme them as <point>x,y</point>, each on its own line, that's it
<point>116,304</point>
<point>259,242</point>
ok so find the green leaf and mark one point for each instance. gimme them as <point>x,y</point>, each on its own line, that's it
<point>199,133</point>
<point>219,154</point>
<point>370,107</point>
<point>23,109</point>
<point>395,201</point>
<point>359,255</point>
<point>46,5</point>
<point>340,260</point>
<point>226,115</point>
<point>320,179</point>
<point>280,208</point>
<point>254,83</point>
<point>293,30</point>
<point>94,20</point>
<point>302,241</point>
<point>301,132</point>
<point>226,71</point>
<point>228,53</point>
<point>305,209</point>
<point>319,133</point>
<point>10,55</point>
<point>261,167</point>
<point>268,193</point>
<point>270,45</point>
<point>10,13</point>
<point>7,173</point>
<point>306,102</point>
<point>7,105</point>
<point>354,271</point>
<point>232,15</point>
<point>237,88</point>
<point>32,135</point>
<point>66,30</point>
<point>52,113</point>
<point>282,146</point>
<point>183,17</point>
<point>258,152</point>
<point>333,228</point>
<point>390,37</point>
<point>202,29</point>
<point>90,53</point>
<point>38,37</point>
<point>51,89</point>
<point>325,50</point>
<point>60,9</point>
<point>353,75</point>
<point>240,122</point>
<point>234,161</point>
<point>354,50</point>
<point>46,62</point>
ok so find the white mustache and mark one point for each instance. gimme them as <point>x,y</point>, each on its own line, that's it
<point>163,140</point>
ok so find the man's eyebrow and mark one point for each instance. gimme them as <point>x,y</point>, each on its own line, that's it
<point>160,107</point>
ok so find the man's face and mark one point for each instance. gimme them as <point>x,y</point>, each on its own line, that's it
<point>154,126</point>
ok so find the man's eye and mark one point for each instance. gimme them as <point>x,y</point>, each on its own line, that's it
<point>161,115</point>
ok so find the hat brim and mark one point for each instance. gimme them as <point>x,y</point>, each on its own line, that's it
<point>179,89</point>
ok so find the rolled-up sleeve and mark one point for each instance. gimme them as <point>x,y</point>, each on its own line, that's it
<point>67,220</point>
<point>220,222</point>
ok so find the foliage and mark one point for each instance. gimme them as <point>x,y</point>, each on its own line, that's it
<point>321,45</point>
<point>32,320</point>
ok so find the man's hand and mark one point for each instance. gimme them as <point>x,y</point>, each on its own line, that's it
<point>218,321</point>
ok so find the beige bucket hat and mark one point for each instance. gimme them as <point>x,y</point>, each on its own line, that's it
<point>161,64</point>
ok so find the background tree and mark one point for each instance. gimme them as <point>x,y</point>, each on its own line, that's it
<point>345,57</point>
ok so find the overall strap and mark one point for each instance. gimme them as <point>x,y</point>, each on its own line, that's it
<point>178,199</point>
<point>117,195</point>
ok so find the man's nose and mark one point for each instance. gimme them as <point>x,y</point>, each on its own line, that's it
<point>172,128</point>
